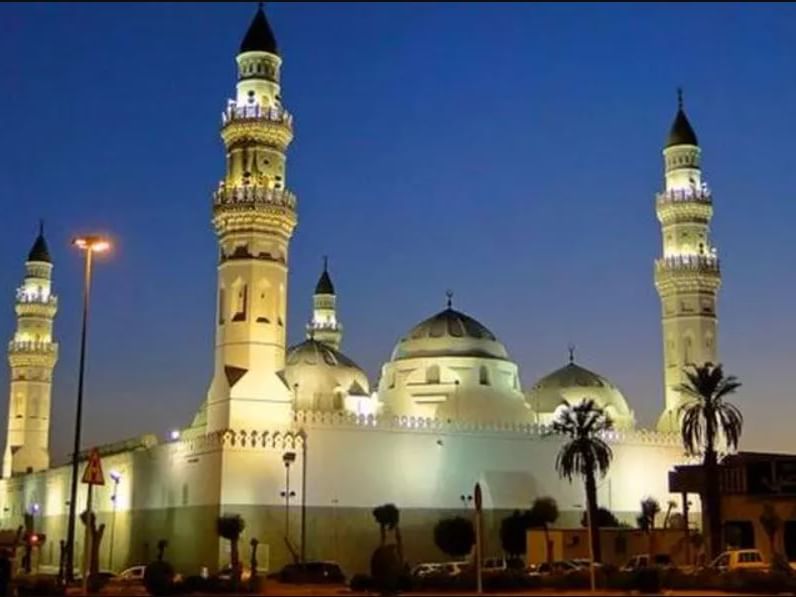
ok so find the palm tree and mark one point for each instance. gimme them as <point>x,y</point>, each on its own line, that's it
<point>230,527</point>
<point>586,454</point>
<point>388,516</point>
<point>544,512</point>
<point>707,421</point>
<point>650,508</point>
<point>455,536</point>
<point>670,506</point>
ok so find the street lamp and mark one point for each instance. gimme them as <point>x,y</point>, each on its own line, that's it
<point>592,579</point>
<point>466,500</point>
<point>288,458</point>
<point>116,476</point>
<point>89,245</point>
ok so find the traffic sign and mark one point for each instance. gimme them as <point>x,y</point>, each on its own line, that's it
<point>92,474</point>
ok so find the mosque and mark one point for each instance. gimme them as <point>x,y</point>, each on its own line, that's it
<point>296,439</point>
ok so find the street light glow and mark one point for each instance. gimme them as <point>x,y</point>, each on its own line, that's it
<point>93,243</point>
<point>116,476</point>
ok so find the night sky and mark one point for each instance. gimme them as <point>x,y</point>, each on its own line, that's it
<point>509,152</point>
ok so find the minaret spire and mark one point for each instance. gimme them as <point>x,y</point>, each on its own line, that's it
<point>449,298</point>
<point>687,275</point>
<point>32,355</point>
<point>254,216</point>
<point>571,349</point>
<point>324,325</point>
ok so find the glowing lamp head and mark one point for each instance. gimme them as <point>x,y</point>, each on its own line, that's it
<point>34,539</point>
<point>116,476</point>
<point>174,435</point>
<point>93,243</point>
<point>35,508</point>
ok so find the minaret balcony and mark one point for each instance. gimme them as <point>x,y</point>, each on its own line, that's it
<point>252,197</point>
<point>255,112</point>
<point>688,263</point>
<point>32,347</point>
<point>684,196</point>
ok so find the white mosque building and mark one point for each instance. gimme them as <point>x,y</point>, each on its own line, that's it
<point>448,409</point>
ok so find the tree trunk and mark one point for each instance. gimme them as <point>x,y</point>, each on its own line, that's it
<point>383,535</point>
<point>548,554</point>
<point>399,544</point>
<point>712,503</point>
<point>591,505</point>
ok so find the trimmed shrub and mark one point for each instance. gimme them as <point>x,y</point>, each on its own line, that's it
<point>38,585</point>
<point>159,578</point>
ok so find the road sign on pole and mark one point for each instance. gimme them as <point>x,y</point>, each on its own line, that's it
<point>478,545</point>
<point>92,474</point>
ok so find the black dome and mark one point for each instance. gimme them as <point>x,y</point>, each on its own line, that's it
<point>682,133</point>
<point>259,37</point>
<point>39,250</point>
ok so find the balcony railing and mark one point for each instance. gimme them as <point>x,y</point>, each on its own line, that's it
<point>702,195</point>
<point>26,297</point>
<point>253,195</point>
<point>256,112</point>
<point>32,346</point>
<point>689,263</point>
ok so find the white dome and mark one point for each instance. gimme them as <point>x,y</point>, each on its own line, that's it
<point>322,377</point>
<point>451,367</point>
<point>574,383</point>
<point>449,333</point>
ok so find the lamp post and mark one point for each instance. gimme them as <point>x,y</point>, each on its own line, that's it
<point>303,498</point>
<point>116,476</point>
<point>89,245</point>
<point>466,501</point>
<point>592,578</point>
<point>288,458</point>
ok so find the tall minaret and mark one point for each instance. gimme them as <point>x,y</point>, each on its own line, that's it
<point>324,326</point>
<point>254,216</point>
<point>32,355</point>
<point>687,276</point>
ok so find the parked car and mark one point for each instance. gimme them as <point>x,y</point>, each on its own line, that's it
<point>644,560</point>
<point>557,567</point>
<point>453,568</point>
<point>134,574</point>
<point>422,570</point>
<point>225,573</point>
<point>500,564</point>
<point>740,559</point>
<point>311,573</point>
<point>583,563</point>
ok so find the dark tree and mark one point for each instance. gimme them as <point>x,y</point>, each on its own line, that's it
<point>707,423</point>
<point>543,513</point>
<point>230,527</point>
<point>455,536</point>
<point>605,519</point>
<point>586,454</point>
<point>513,533</point>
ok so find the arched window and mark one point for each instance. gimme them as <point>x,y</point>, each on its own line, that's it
<point>483,376</point>
<point>221,306</point>
<point>241,300</point>
<point>432,374</point>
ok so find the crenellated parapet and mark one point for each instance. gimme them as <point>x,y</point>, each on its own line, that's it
<point>325,419</point>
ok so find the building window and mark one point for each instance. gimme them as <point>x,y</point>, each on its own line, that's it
<point>432,374</point>
<point>483,376</point>
<point>221,306</point>
<point>240,305</point>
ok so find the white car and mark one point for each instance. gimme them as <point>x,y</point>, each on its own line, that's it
<point>644,560</point>
<point>740,559</point>
<point>453,568</point>
<point>422,570</point>
<point>132,574</point>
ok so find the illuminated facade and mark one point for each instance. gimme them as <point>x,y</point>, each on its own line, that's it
<point>32,355</point>
<point>449,410</point>
<point>687,275</point>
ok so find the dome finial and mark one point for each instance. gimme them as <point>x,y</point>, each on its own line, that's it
<point>449,296</point>
<point>326,263</point>
<point>679,98</point>
<point>41,226</point>
<point>571,349</point>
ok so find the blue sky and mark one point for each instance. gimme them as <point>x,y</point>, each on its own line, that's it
<point>510,152</point>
